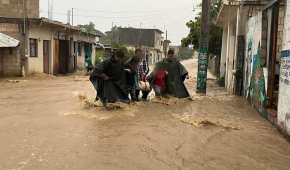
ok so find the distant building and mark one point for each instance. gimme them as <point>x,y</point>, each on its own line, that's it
<point>175,48</point>
<point>149,39</point>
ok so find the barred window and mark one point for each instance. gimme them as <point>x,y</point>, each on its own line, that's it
<point>33,47</point>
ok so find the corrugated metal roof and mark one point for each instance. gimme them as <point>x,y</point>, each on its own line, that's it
<point>7,41</point>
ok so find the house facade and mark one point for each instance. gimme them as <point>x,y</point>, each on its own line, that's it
<point>254,54</point>
<point>85,49</point>
<point>46,46</point>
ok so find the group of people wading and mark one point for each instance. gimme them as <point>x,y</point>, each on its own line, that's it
<point>118,81</point>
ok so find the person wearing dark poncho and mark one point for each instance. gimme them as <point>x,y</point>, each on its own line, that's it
<point>175,76</point>
<point>109,80</point>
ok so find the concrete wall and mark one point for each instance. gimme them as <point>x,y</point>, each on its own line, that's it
<point>230,46</point>
<point>253,39</point>
<point>15,8</point>
<point>35,64</point>
<point>10,62</point>
<point>81,57</point>
<point>230,62</point>
<point>224,52</point>
<point>284,91</point>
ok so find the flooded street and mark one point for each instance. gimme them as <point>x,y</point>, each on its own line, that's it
<point>44,126</point>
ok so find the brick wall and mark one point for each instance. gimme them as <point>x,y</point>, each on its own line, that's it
<point>15,8</point>
<point>10,62</point>
<point>14,30</point>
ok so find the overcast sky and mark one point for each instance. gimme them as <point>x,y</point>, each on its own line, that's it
<point>171,15</point>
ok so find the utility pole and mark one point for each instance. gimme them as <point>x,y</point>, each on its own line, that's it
<point>112,35</point>
<point>25,50</point>
<point>139,44</point>
<point>72,16</point>
<point>166,45</point>
<point>48,6</point>
<point>69,17</point>
<point>203,49</point>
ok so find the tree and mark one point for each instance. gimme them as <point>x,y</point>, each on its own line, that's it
<point>194,34</point>
<point>89,28</point>
<point>215,34</point>
<point>108,37</point>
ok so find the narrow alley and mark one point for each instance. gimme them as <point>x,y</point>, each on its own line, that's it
<point>50,128</point>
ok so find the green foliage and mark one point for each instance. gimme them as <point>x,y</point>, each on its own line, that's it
<point>215,33</point>
<point>88,28</point>
<point>194,35</point>
<point>107,39</point>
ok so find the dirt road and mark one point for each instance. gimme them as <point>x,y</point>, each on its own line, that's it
<point>44,126</point>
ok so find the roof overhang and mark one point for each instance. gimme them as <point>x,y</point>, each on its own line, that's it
<point>224,14</point>
<point>7,41</point>
<point>56,24</point>
<point>230,6</point>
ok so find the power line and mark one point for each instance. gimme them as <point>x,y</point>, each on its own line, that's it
<point>129,11</point>
<point>121,18</point>
<point>108,17</point>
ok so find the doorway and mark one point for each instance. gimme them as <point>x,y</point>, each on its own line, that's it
<point>63,56</point>
<point>273,63</point>
<point>46,56</point>
<point>239,85</point>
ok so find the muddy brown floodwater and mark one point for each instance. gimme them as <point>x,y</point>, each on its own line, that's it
<point>44,126</point>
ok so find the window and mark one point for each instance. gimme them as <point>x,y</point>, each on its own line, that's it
<point>33,47</point>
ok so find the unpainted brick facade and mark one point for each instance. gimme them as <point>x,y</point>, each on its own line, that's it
<point>19,8</point>
<point>10,62</point>
<point>10,58</point>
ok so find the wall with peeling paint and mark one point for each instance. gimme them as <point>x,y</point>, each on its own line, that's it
<point>253,41</point>
<point>284,95</point>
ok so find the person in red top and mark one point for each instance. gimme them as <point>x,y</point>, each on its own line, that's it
<point>159,81</point>
<point>168,77</point>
